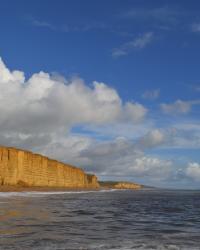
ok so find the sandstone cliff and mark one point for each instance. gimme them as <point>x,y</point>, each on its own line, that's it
<point>120,185</point>
<point>127,185</point>
<point>23,168</point>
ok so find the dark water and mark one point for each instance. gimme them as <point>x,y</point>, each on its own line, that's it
<point>100,220</point>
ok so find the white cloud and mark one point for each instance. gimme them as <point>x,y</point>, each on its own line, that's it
<point>67,149</point>
<point>193,171</point>
<point>151,94</point>
<point>122,157</point>
<point>119,157</point>
<point>184,135</point>
<point>43,24</point>
<point>178,107</point>
<point>152,167</point>
<point>152,139</point>
<point>134,111</point>
<point>39,113</point>
<point>43,104</point>
<point>139,42</point>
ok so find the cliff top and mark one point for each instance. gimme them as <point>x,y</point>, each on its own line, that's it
<point>112,183</point>
<point>37,154</point>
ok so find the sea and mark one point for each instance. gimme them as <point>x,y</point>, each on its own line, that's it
<point>100,220</point>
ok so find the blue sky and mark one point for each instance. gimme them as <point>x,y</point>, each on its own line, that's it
<point>140,117</point>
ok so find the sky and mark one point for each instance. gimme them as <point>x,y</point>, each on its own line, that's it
<point>110,86</point>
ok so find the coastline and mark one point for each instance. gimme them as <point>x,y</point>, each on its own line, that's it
<point>56,189</point>
<point>44,189</point>
<point>22,171</point>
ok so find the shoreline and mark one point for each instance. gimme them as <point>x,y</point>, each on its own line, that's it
<point>45,189</point>
<point>56,189</point>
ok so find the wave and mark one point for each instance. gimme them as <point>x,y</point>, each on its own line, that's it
<point>46,193</point>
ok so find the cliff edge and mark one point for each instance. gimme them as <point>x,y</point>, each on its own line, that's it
<point>24,168</point>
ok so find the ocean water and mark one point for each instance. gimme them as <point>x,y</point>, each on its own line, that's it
<point>144,219</point>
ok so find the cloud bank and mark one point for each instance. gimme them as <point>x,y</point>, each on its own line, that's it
<point>40,112</point>
<point>43,104</point>
<point>47,114</point>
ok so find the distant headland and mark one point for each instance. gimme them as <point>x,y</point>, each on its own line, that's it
<point>23,170</point>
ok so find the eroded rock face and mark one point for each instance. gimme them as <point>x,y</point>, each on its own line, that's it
<point>127,185</point>
<point>19,167</point>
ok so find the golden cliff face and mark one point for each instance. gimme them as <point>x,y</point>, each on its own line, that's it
<point>127,185</point>
<point>120,185</point>
<point>23,168</point>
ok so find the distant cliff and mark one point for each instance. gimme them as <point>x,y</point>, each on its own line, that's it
<point>23,168</point>
<point>120,185</point>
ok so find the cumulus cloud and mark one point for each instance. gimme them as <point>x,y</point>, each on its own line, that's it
<point>44,104</point>
<point>139,42</point>
<point>152,139</point>
<point>68,149</point>
<point>117,157</point>
<point>40,113</point>
<point>193,171</point>
<point>184,135</point>
<point>122,157</point>
<point>178,107</point>
<point>152,167</point>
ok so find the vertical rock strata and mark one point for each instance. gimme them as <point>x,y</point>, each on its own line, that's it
<point>23,168</point>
